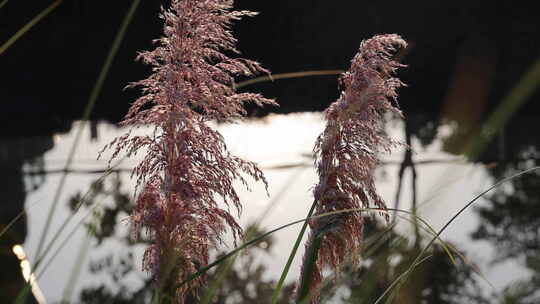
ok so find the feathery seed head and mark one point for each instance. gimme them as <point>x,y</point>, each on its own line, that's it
<point>187,166</point>
<point>346,152</point>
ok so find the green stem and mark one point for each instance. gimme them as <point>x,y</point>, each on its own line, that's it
<point>310,262</point>
<point>517,96</point>
<point>3,3</point>
<point>86,115</point>
<point>285,271</point>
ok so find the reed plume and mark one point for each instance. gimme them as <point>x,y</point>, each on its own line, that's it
<point>187,170</point>
<point>347,155</point>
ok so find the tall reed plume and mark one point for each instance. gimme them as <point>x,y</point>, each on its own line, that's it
<point>347,155</point>
<point>187,169</point>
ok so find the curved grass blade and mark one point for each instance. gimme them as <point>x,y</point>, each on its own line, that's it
<point>446,247</point>
<point>374,242</point>
<point>27,26</point>
<point>405,274</point>
<point>449,248</point>
<point>252,229</point>
<point>86,114</point>
<point>3,3</point>
<point>264,235</point>
<point>221,273</point>
<point>68,219</point>
<point>236,250</point>
<point>273,77</point>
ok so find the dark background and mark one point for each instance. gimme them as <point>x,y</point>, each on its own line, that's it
<point>461,52</point>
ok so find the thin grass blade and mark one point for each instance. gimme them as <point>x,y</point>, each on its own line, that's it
<point>273,77</point>
<point>405,274</point>
<point>27,26</point>
<point>86,114</point>
<point>287,267</point>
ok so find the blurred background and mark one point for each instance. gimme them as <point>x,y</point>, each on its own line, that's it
<point>470,109</point>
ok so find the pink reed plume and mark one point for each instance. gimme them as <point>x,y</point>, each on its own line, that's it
<point>187,168</point>
<point>346,153</point>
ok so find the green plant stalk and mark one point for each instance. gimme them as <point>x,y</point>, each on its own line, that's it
<point>6,228</point>
<point>3,3</point>
<point>508,106</point>
<point>370,246</point>
<point>156,299</point>
<point>86,115</point>
<point>27,26</point>
<point>62,227</point>
<point>312,253</point>
<point>76,270</point>
<point>405,274</point>
<point>285,271</point>
<point>24,292</point>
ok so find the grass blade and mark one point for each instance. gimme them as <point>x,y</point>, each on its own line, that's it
<point>86,114</point>
<point>524,88</point>
<point>27,26</point>
<point>23,294</point>
<point>65,241</point>
<point>405,274</point>
<point>264,235</point>
<point>6,228</point>
<point>39,258</point>
<point>76,270</point>
<point>312,253</point>
<point>250,232</point>
<point>285,271</point>
<point>244,246</point>
<point>273,77</point>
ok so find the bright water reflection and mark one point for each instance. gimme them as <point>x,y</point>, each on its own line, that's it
<point>281,144</point>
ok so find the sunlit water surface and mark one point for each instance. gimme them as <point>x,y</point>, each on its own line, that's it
<point>282,146</point>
